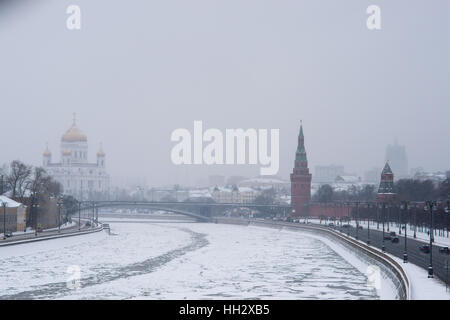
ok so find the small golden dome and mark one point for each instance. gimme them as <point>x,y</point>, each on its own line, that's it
<point>47,152</point>
<point>74,134</point>
<point>100,152</point>
<point>66,152</point>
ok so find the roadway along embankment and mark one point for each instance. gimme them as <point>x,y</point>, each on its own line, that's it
<point>53,235</point>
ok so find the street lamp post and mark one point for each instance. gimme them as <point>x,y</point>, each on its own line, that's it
<point>447,211</point>
<point>59,215</point>
<point>368,223</point>
<point>348,219</point>
<point>430,206</point>
<point>356,218</point>
<point>93,212</point>
<point>415,219</point>
<point>378,216</point>
<point>5,204</point>
<point>79,216</point>
<point>405,206</point>
<point>34,209</point>
<point>383,208</point>
<point>389,218</point>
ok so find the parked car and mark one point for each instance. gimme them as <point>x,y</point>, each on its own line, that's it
<point>395,240</point>
<point>387,237</point>
<point>360,227</point>
<point>445,250</point>
<point>345,226</point>
<point>392,233</point>
<point>425,249</point>
<point>8,234</point>
<point>331,224</point>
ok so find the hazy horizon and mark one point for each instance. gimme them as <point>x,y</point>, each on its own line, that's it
<point>137,71</point>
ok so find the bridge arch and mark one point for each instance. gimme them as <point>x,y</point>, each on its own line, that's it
<point>148,205</point>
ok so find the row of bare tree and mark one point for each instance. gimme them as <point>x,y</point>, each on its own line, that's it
<point>23,181</point>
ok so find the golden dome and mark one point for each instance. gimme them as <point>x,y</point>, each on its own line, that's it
<point>74,134</point>
<point>47,152</point>
<point>100,152</point>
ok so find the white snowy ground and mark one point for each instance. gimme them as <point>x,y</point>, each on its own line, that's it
<point>178,261</point>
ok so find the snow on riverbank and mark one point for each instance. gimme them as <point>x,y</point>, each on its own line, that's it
<point>385,289</point>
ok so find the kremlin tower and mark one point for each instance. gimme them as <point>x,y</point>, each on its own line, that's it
<point>300,179</point>
<point>386,189</point>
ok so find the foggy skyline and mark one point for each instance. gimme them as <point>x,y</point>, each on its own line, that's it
<point>136,72</point>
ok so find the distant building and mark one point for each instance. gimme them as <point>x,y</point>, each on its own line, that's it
<point>386,190</point>
<point>216,180</point>
<point>235,180</point>
<point>15,218</point>
<point>265,182</point>
<point>433,176</point>
<point>398,161</point>
<point>414,171</point>
<point>200,194</point>
<point>347,179</point>
<point>327,174</point>
<point>372,176</point>
<point>78,177</point>
<point>234,195</point>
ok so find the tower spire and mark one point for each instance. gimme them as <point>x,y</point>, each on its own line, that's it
<point>300,134</point>
<point>74,119</point>
<point>300,155</point>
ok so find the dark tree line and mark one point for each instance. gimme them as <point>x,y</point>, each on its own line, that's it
<point>406,190</point>
<point>327,194</point>
<point>417,190</point>
<point>266,197</point>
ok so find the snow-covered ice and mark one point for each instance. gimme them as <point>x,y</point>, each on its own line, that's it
<point>182,261</point>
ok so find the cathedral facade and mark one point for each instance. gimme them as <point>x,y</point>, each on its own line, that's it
<point>78,177</point>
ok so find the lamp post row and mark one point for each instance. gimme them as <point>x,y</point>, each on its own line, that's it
<point>405,207</point>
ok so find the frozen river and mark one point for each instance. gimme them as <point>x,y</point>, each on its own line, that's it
<point>180,261</point>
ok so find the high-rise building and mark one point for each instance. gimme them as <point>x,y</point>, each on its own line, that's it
<point>327,174</point>
<point>396,155</point>
<point>300,179</point>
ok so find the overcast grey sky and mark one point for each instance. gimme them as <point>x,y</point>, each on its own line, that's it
<point>139,69</point>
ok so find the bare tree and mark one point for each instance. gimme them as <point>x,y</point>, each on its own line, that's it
<point>17,179</point>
